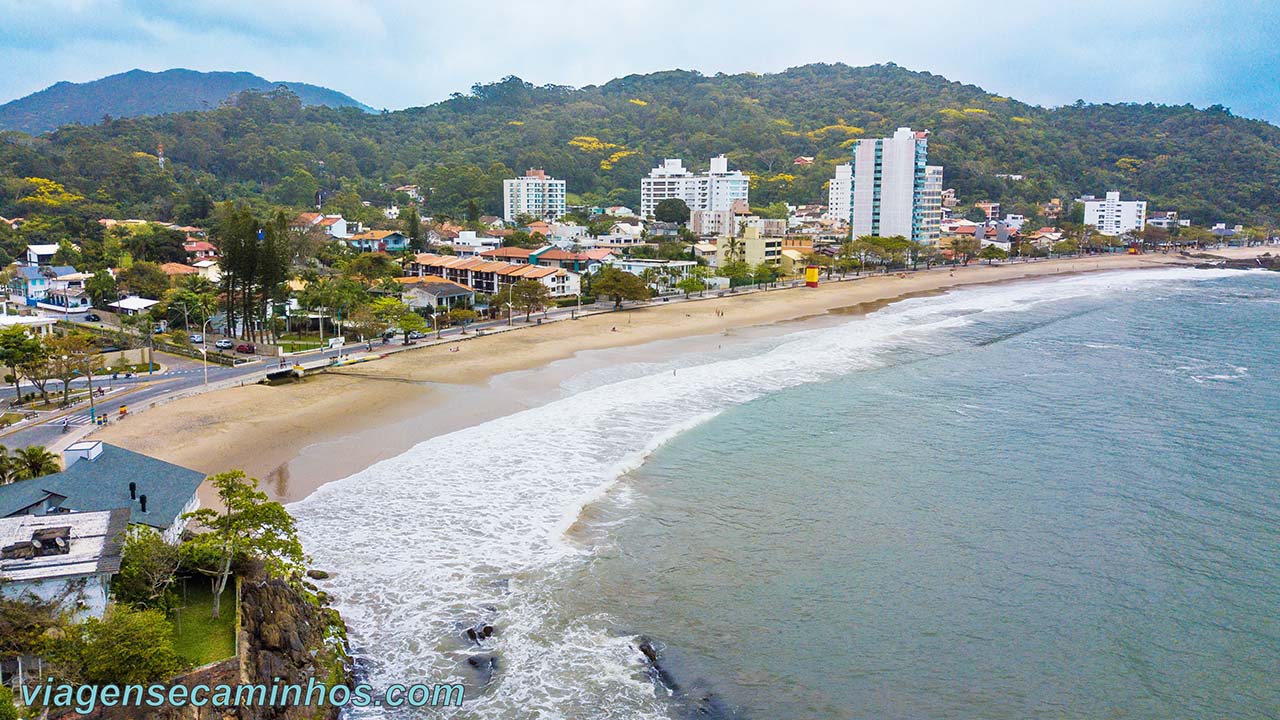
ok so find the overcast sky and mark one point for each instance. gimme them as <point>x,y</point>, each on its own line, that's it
<point>396,53</point>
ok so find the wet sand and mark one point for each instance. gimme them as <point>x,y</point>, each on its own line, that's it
<point>296,437</point>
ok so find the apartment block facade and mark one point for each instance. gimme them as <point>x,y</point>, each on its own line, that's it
<point>535,194</point>
<point>895,192</point>
<point>716,190</point>
<point>1113,216</point>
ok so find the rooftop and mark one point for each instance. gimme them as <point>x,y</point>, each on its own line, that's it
<point>45,547</point>
<point>101,482</point>
<point>133,302</point>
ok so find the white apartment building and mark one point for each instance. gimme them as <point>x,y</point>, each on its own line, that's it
<point>534,194</point>
<point>1113,216</point>
<point>895,192</point>
<point>840,194</point>
<point>931,204</point>
<point>717,189</point>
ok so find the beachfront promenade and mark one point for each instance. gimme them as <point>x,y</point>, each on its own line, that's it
<point>185,377</point>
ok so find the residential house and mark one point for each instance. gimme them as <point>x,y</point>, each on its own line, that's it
<point>513,255</point>
<point>199,249</point>
<point>68,294</point>
<point>133,305</point>
<point>177,271</point>
<point>30,284</point>
<point>431,291</point>
<point>334,226</point>
<point>661,274</point>
<point>66,558</point>
<point>391,212</point>
<point>209,269</point>
<point>1167,220</point>
<point>469,244</point>
<point>490,277</point>
<point>35,324</point>
<point>97,476</point>
<point>705,251</point>
<point>792,261</point>
<point>411,191</point>
<point>13,223</point>
<point>378,241</point>
<point>41,254</point>
<point>551,256</point>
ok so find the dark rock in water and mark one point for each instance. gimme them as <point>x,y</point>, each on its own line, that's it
<point>709,705</point>
<point>656,671</point>
<point>485,667</point>
<point>647,649</point>
<point>317,574</point>
<point>478,633</point>
<point>694,702</point>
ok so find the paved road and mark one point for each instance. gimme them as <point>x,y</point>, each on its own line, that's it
<point>186,373</point>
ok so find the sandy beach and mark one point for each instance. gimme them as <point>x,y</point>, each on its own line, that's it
<point>349,418</point>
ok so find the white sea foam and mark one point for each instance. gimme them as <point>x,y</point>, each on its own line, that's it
<point>477,519</point>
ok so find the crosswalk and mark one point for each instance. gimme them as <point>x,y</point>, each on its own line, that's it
<point>77,419</point>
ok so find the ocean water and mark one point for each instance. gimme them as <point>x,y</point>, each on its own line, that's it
<point>1048,499</point>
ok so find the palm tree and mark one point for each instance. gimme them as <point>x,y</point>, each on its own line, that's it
<point>6,466</point>
<point>33,462</point>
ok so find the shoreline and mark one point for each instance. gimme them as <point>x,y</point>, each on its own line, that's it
<point>297,437</point>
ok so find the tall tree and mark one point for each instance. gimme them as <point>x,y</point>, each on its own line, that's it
<point>619,286</point>
<point>530,296</point>
<point>18,348</point>
<point>413,228</point>
<point>247,525</point>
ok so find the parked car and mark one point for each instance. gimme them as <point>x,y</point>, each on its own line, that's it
<point>246,348</point>
<point>196,338</point>
<point>92,317</point>
<point>224,344</point>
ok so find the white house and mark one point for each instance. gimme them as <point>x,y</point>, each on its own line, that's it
<point>40,254</point>
<point>133,305</point>
<point>468,243</point>
<point>68,558</point>
<point>666,273</point>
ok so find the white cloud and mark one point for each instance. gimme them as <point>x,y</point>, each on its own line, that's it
<point>397,53</point>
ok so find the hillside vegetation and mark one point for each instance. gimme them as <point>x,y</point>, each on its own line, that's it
<point>272,149</point>
<point>138,92</point>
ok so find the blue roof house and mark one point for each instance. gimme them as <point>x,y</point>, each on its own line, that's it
<point>97,476</point>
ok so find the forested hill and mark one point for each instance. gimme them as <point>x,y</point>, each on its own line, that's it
<point>137,93</point>
<point>271,149</point>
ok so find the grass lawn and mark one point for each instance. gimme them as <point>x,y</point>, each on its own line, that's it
<point>202,639</point>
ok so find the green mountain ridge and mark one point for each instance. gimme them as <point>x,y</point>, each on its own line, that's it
<point>138,93</point>
<point>271,149</point>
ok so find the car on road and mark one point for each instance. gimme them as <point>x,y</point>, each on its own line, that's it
<point>415,335</point>
<point>196,338</point>
<point>224,344</point>
<point>92,317</point>
<point>246,348</point>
